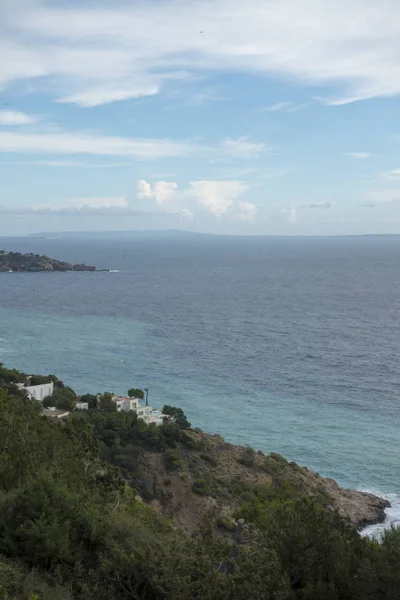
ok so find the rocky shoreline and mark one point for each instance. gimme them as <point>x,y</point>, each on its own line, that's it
<point>359,508</point>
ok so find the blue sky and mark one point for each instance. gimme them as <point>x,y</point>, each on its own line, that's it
<point>263,117</point>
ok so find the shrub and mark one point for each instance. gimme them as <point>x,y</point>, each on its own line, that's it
<point>247,457</point>
<point>172,459</point>
<point>201,487</point>
<point>271,466</point>
<point>227,524</point>
<point>278,458</point>
<point>209,458</point>
<point>192,444</point>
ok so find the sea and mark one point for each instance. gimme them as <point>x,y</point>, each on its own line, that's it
<point>288,344</point>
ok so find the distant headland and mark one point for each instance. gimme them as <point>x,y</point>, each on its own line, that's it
<point>16,262</point>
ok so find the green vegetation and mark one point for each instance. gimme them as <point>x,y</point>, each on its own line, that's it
<point>202,487</point>
<point>73,528</point>
<point>15,261</point>
<point>63,398</point>
<point>106,403</point>
<point>91,399</point>
<point>247,457</point>
<point>136,393</point>
<point>172,459</point>
<point>177,415</point>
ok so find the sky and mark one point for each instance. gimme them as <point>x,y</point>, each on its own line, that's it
<point>275,117</point>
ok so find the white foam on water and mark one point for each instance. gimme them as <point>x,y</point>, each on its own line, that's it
<point>392,516</point>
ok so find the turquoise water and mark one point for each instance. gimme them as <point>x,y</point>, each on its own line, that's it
<point>288,345</point>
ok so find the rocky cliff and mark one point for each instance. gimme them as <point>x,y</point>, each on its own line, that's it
<point>213,476</point>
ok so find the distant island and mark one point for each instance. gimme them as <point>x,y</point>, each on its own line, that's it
<point>32,263</point>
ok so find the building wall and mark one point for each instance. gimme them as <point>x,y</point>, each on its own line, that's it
<point>39,392</point>
<point>130,404</point>
<point>124,403</point>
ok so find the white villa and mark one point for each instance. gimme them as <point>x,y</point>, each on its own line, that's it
<point>82,406</point>
<point>38,392</point>
<point>148,414</point>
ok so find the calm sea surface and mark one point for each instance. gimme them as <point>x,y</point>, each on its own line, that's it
<point>288,344</point>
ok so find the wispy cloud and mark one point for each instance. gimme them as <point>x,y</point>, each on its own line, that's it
<point>91,54</point>
<point>292,213</point>
<point>381,198</point>
<point>11,117</point>
<point>316,206</point>
<point>88,143</point>
<point>358,155</point>
<point>287,107</point>
<point>78,164</point>
<point>368,205</point>
<point>99,96</point>
<point>99,202</point>
<point>243,147</point>
<point>278,107</point>
<point>92,206</point>
<point>393,175</point>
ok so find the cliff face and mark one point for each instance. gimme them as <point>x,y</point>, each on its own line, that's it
<point>186,485</point>
<point>31,263</point>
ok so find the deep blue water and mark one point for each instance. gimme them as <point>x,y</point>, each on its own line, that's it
<point>287,344</point>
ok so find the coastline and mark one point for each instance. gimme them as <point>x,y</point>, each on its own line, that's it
<point>230,465</point>
<point>391,518</point>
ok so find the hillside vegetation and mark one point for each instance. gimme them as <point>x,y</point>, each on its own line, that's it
<point>17,262</point>
<point>100,506</point>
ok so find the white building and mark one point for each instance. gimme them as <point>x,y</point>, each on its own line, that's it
<point>125,403</point>
<point>146,413</point>
<point>82,406</point>
<point>38,392</point>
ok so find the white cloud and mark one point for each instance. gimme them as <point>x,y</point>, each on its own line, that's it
<point>243,147</point>
<point>82,51</point>
<point>88,143</point>
<point>186,214</point>
<point>247,212</point>
<point>393,175</point>
<point>161,191</point>
<point>216,196</point>
<point>11,117</point>
<point>358,155</point>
